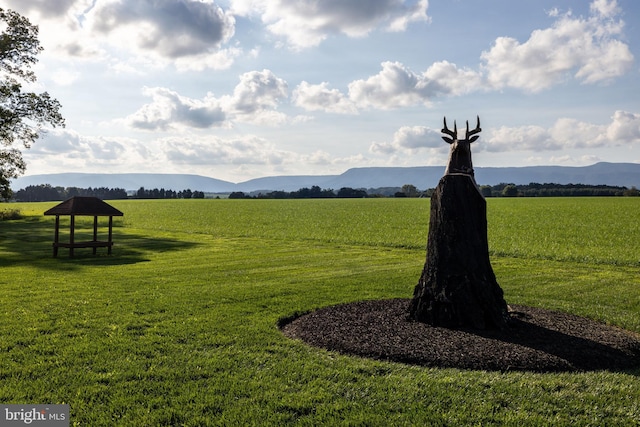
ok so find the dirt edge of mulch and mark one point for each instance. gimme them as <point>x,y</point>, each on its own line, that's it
<point>537,340</point>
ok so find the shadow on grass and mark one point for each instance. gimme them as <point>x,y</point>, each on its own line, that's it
<point>30,242</point>
<point>538,341</point>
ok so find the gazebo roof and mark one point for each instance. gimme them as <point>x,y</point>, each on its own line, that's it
<point>87,206</point>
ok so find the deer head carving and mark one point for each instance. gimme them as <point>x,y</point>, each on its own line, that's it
<point>460,152</point>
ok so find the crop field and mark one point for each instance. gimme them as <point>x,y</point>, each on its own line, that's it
<point>179,325</point>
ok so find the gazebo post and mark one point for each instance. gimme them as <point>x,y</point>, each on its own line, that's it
<point>72,229</point>
<point>110,235</point>
<point>56,237</point>
<point>95,233</point>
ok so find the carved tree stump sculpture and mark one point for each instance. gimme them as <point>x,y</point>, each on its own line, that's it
<point>457,288</point>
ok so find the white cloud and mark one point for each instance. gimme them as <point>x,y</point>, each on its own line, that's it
<point>47,8</point>
<point>72,151</point>
<point>257,91</point>
<point>408,139</point>
<point>321,97</point>
<point>397,86</point>
<point>240,151</point>
<point>394,86</point>
<point>533,138</point>
<point>213,151</point>
<point>567,133</point>
<point>80,152</point>
<point>562,160</point>
<point>190,34</point>
<point>169,110</point>
<point>571,133</point>
<point>605,8</point>
<point>254,100</point>
<point>624,128</point>
<point>445,78</point>
<point>412,137</point>
<point>171,29</point>
<point>306,23</point>
<point>585,48</point>
<point>221,59</point>
<point>415,13</point>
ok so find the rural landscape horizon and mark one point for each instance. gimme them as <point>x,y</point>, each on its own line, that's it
<point>423,177</point>
<point>251,89</point>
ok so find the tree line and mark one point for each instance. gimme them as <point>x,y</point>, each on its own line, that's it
<point>535,189</point>
<point>314,192</point>
<point>161,193</point>
<point>500,190</point>
<point>46,192</point>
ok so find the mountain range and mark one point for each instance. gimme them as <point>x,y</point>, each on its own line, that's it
<point>423,177</point>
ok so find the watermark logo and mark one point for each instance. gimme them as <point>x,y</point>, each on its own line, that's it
<point>34,415</point>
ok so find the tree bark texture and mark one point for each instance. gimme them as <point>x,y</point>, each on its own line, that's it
<point>457,288</point>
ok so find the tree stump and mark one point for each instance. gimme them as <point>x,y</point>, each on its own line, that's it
<point>457,288</point>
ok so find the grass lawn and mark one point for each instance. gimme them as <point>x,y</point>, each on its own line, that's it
<point>179,325</point>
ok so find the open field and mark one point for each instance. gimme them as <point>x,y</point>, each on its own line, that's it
<point>179,325</point>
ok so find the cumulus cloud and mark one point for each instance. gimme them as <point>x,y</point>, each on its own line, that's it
<point>47,8</point>
<point>409,139</point>
<point>307,23</point>
<point>67,148</point>
<point>254,100</point>
<point>397,86</point>
<point>321,97</point>
<point>81,152</point>
<point>577,134</point>
<point>212,151</point>
<point>172,29</point>
<point>169,109</point>
<point>584,48</point>
<point>624,128</point>
<point>534,138</point>
<point>257,91</point>
<point>190,34</point>
<point>567,133</point>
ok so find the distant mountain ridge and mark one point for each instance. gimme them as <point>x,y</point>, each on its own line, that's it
<point>423,177</point>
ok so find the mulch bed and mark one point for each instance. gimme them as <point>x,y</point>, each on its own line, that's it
<point>537,340</point>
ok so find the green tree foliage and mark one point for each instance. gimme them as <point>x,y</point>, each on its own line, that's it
<point>144,193</point>
<point>45,192</point>
<point>410,190</point>
<point>485,190</point>
<point>22,114</point>
<point>510,191</point>
<point>535,189</point>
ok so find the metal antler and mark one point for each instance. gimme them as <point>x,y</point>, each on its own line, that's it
<point>452,133</point>
<point>473,132</point>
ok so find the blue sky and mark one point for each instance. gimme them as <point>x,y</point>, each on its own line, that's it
<point>239,89</point>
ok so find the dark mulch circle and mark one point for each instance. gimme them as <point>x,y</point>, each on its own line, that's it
<point>537,340</point>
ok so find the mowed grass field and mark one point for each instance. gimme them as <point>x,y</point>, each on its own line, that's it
<point>179,325</point>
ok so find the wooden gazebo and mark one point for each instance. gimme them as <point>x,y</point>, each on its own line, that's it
<point>83,206</point>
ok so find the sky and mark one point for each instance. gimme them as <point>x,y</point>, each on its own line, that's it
<point>240,89</point>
